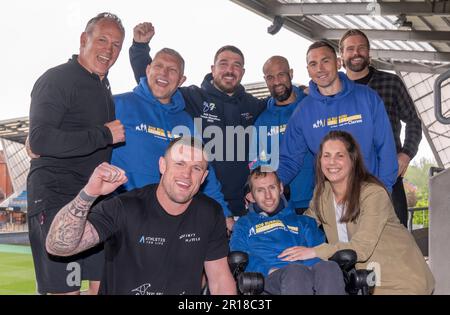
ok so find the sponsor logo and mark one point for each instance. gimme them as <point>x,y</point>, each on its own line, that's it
<point>208,107</point>
<point>144,289</point>
<point>340,121</point>
<point>189,237</point>
<point>247,116</point>
<point>269,226</point>
<point>152,240</point>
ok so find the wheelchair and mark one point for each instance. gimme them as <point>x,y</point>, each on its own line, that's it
<point>357,281</point>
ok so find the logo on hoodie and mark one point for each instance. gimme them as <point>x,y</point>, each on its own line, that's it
<point>319,123</point>
<point>340,121</point>
<point>208,107</point>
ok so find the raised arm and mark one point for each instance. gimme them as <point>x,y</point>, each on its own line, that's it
<point>293,149</point>
<point>140,51</point>
<point>70,232</point>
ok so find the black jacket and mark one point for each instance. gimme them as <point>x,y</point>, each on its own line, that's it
<point>69,107</point>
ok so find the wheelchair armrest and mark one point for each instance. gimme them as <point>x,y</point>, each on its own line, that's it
<point>250,283</point>
<point>357,281</point>
<point>237,261</point>
<point>247,282</point>
<point>345,258</point>
<point>361,281</point>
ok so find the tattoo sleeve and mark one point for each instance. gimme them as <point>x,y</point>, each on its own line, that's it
<point>70,232</point>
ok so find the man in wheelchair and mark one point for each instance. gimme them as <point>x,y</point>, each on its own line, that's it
<point>270,234</point>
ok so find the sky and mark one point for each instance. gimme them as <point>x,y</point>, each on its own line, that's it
<point>37,35</point>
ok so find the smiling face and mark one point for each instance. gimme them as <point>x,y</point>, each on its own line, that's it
<point>100,47</point>
<point>266,192</point>
<point>323,65</point>
<point>355,53</point>
<point>278,78</point>
<point>227,71</point>
<point>164,76</point>
<point>183,170</point>
<point>335,162</point>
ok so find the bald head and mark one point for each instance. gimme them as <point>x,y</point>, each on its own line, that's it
<point>278,76</point>
<point>279,60</point>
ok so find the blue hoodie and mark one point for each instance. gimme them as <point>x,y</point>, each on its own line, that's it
<point>148,130</point>
<point>356,109</point>
<point>263,238</point>
<point>218,110</point>
<point>275,118</point>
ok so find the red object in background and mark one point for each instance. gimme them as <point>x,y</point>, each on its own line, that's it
<point>6,188</point>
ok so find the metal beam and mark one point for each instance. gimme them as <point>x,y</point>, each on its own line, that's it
<point>259,8</point>
<point>425,36</point>
<point>365,8</point>
<point>408,55</point>
<point>408,67</point>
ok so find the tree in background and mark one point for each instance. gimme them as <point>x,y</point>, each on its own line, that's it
<point>417,177</point>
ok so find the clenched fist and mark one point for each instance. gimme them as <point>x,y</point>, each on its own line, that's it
<point>143,32</point>
<point>104,180</point>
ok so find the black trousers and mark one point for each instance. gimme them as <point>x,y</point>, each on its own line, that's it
<point>399,201</point>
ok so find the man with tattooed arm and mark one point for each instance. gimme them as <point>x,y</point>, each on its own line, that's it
<point>158,238</point>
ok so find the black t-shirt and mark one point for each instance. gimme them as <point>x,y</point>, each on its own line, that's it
<point>365,80</point>
<point>150,252</point>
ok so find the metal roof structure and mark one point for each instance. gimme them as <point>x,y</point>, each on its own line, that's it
<point>15,129</point>
<point>407,35</point>
<point>410,37</point>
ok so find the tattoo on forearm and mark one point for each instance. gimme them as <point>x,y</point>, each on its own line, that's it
<point>69,233</point>
<point>79,207</point>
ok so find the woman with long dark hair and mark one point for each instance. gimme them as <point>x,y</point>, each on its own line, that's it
<point>356,212</point>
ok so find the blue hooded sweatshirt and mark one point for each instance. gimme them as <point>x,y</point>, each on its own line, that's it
<point>264,237</point>
<point>232,114</point>
<point>275,119</point>
<point>148,130</point>
<point>356,109</point>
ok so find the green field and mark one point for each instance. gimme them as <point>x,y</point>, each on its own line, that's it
<point>16,270</point>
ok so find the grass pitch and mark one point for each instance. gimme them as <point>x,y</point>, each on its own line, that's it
<point>16,270</point>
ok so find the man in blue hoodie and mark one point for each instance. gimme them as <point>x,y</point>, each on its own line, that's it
<point>271,126</point>
<point>220,104</point>
<point>153,114</point>
<point>337,103</point>
<point>270,234</point>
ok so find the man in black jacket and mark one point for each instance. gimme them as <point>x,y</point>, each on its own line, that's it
<point>72,130</point>
<point>219,106</point>
<point>354,47</point>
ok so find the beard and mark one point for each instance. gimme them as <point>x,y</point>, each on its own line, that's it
<point>359,67</point>
<point>281,97</point>
<point>226,88</point>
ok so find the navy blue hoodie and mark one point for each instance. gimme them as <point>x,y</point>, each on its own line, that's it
<point>218,111</point>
